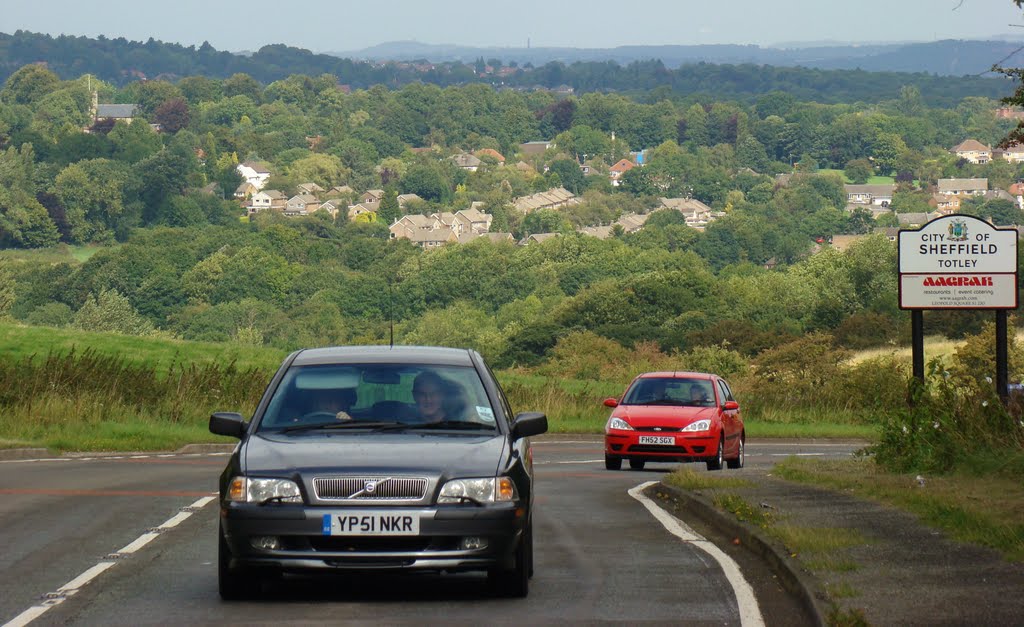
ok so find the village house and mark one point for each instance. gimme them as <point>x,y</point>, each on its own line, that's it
<point>301,205</point>
<point>310,188</point>
<point>600,232</point>
<point>697,214</point>
<point>538,238</point>
<point>245,190</point>
<point>632,222</point>
<point>534,148</point>
<point>333,205</point>
<point>372,198</point>
<point>551,199</point>
<point>498,238</point>
<point>973,151</point>
<point>962,187</point>
<point>254,172</point>
<point>870,194</point>
<point>354,211</point>
<point>406,226</point>
<point>433,238</point>
<point>945,203</point>
<point>341,191</point>
<point>1014,153</point>
<point>616,171</point>
<point>405,199</point>
<point>915,220</point>
<point>492,153</point>
<point>466,161</point>
<point>267,199</point>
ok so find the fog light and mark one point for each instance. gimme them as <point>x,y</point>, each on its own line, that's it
<point>473,543</point>
<point>266,543</point>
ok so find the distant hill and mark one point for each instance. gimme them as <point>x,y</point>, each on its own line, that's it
<point>945,58</point>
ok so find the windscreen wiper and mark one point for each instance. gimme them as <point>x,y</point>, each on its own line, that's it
<point>351,424</point>
<point>454,424</point>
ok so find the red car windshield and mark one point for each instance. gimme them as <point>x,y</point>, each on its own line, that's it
<point>671,391</point>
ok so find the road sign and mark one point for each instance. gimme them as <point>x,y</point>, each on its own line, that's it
<point>958,262</point>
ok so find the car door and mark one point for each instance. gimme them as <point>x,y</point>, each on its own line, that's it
<point>730,418</point>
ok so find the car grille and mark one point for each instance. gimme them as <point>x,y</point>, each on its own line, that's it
<point>641,448</point>
<point>370,545</point>
<point>369,488</point>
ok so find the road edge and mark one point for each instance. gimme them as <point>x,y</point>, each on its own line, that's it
<point>791,575</point>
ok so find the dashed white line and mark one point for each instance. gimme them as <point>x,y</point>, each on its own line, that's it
<point>750,613</point>
<point>76,584</point>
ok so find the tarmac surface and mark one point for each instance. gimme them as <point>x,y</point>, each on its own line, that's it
<point>905,572</point>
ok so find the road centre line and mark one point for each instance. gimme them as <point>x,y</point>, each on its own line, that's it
<point>70,588</point>
<point>100,458</point>
<point>750,613</point>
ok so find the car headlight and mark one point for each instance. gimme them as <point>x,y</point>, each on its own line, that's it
<point>618,423</point>
<point>247,490</point>
<point>700,425</point>
<point>487,490</point>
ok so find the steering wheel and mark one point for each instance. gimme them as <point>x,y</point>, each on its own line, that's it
<point>320,414</point>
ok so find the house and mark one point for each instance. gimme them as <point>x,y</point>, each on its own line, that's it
<point>551,199</point>
<point>534,148</point>
<point>301,204</point>
<point>1014,153</point>
<point>372,198</point>
<point>340,190</point>
<point>945,203</point>
<point>267,199</point>
<point>354,211</point>
<point>310,188</point>
<point>333,205</point>
<point>697,214</point>
<point>973,150</point>
<point>915,220</point>
<point>600,232</point>
<point>405,199</point>
<point>490,152</point>
<point>245,190</point>
<point>466,161</point>
<point>632,222</point>
<point>434,238</point>
<point>473,221</point>
<point>963,186</point>
<point>616,171</point>
<point>588,168</point>
<point>406,226</point>
<point>498,238</point>
<point>870,194</point>
<point>254,172</point>
<point>538,238</point>
<point>117,112</point>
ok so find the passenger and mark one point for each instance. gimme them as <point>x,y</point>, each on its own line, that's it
<point>437,399</point>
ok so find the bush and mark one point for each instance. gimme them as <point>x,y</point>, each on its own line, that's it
<point>867,330</point>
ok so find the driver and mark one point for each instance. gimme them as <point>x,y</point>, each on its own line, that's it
<point>337,402</point>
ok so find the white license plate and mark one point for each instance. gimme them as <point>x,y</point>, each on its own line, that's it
<point>660,440</point>
<point>363,523</point>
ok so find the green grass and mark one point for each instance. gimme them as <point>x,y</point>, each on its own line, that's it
<point>986,510</point>
<point>687,479</point>
<point>58,254</point>
<point>20,341</point>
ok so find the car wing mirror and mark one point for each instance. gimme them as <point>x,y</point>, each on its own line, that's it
<point>731,406</point>
<point>611,402</point>
<point>229,424</point>
<point>529,423</point>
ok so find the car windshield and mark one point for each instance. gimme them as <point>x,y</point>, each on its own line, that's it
<point>670,391</point>
<point>379,398</point>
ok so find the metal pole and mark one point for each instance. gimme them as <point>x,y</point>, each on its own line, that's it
<point>917,340</point>
<point>1002,368</point>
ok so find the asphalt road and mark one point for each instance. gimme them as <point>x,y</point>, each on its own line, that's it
<point>149,524</point>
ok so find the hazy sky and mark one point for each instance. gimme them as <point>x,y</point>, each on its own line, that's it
<point>336,25</point>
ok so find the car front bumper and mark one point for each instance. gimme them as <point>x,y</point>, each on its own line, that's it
<point>438,546</point>
<point>685,448</point>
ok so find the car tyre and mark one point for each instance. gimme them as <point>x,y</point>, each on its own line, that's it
<point>715,463</point>
<point>738,462</point>
<point>515,582</point>
<point>233,585</point>
<point>636,464</point>
<point>612,463</point>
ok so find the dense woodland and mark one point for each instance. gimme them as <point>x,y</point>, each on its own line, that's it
<point>183,262</point>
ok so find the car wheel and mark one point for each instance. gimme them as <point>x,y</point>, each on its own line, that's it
<point>636,464</point>
<point>716,462</point>
<point>515,581</point>
<point>738,462</point>
<point>233,585</point>
<point>612,463</point>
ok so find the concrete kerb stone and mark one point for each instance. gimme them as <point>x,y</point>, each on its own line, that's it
<point>25,453</point>
<point>790,573</point>
<point>13,454</point>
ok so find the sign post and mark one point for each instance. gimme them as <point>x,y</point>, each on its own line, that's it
<point>959,262</point>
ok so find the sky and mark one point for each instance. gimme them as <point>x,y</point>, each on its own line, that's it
<point>347,25</point>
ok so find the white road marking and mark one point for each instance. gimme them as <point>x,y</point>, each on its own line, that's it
<point>76,584</point>
<point>750,613</point>
<point>107,457</point>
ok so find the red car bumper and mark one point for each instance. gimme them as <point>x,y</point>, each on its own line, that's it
<point>655,446</point>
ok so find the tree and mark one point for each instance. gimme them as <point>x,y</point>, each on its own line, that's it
<point>111,312</point>
<point>389,210</point>
<point>29,84</point>
<point>173,115</point>
<point>858,171</point>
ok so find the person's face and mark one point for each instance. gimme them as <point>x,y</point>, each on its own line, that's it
<point>428,399</point>
<point>696,394</point>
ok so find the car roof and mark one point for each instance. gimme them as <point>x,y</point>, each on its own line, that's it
<point>384,354</point>
<point>678,374</point>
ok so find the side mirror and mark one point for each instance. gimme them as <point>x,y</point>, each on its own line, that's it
<point>731,406</point>
<point>529,423</point>
<point>229,424</point>
<point>611,402</point>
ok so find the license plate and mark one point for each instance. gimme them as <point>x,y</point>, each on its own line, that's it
<point>363,523</point>
<point>661,440</point>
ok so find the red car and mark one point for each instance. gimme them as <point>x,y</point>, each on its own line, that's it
<point>675,417</point>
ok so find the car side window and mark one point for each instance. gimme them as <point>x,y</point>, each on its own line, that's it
<point>726,392</point>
